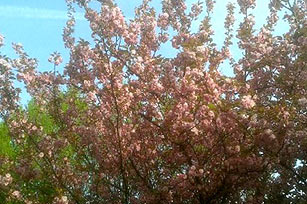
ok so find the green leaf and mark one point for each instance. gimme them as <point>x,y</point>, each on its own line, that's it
<point>6,148</point>
<point>211,106</point>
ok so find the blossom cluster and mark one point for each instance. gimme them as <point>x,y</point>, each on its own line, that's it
<point>126,124</point>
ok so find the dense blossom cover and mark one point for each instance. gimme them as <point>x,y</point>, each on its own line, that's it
<point>124,124</point>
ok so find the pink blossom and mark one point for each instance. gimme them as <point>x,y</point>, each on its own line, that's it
<point>248,102</point>
<point>126,119</point>
<point>163,20</point>
<point>1,40</point>
<point>55,58</point>
<point>41,155</point>
<point>302,101</point>
<point>16,194</point>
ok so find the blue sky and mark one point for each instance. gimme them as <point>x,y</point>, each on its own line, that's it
<point>38,25</point>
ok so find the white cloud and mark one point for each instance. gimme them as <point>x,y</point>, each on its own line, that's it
<point>36,13</point>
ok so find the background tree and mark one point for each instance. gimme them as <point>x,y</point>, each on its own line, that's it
<point>124,124</point>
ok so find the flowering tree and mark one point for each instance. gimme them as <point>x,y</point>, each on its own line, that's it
<point>123,124</point>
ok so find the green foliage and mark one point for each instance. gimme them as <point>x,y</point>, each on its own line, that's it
<point>3,196</point>
<point>41,118</point>
<point>212,107</point>
<point>42,189</point>
<point>200,148</point>
<point>6,148</point>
